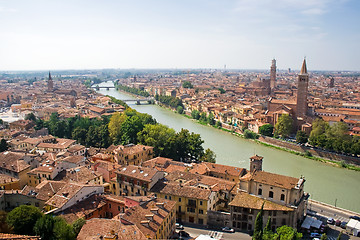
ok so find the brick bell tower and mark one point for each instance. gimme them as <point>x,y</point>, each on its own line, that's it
<point>301,99</point>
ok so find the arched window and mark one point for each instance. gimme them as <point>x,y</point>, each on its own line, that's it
<point>271,194</point>
<point>260,191</point>
<point>282,197</point>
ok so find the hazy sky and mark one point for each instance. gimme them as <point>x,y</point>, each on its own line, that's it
<point>246,34</point>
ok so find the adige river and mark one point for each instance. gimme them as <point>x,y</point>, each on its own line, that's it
<point>325,183</point>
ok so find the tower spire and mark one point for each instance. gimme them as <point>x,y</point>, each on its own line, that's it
<point>303,68</point>
<point>50,76</point>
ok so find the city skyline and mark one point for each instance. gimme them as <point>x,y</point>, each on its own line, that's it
<point>40,35</point>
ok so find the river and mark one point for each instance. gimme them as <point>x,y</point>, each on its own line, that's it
<point>325,183</point>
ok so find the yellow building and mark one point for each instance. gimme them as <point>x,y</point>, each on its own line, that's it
<point>155,218</point>
<point>13,165</point>
<point>133,154</point>
<point>192,203</point>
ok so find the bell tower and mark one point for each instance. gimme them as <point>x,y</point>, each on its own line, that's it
<point>256,163</point>
<point>301,98</point>
<point>50,83</point>
<point>273,74</point>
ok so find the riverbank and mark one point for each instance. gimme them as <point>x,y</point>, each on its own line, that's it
<point>332,159</point>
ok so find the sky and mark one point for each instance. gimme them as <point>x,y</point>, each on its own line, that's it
<point>179,34</point>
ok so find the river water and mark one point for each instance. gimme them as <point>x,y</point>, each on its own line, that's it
<point>325,183</point>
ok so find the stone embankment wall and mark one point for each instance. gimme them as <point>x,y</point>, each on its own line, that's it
<point>313,151</point>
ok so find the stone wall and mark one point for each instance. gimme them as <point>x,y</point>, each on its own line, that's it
<point>314,151</point>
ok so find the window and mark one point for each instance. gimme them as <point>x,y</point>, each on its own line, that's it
<point>260,191</point>
<point>169,197</point>
<point>201,203</point>
<point>118,208</point>
<point>201,211</point>
<point>271,194</point>
<point>179,199</point>
<point>282,197</point>
<point>201,221</point>
<point>109,205</point>
<point>165,197</point>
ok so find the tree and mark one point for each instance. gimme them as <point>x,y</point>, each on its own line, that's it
<point>287,233</point>
<point>266,130</point>
<point>284,126</point>
<point>258,229</point>
<point>180,109</point>
<point>222,91</point>
<point>209,156</point>
<point>203,117</point>
<point>250,134</point>
<point>22,219</point>
<point>44,227</point>
<point>160,137</point>
<point>211,119</point>
<point>115,123</point>
<point>77,225</point>
<point>187,84</point>
<point>195,114</point>
<point>30,116</point>
<point>62,230</point>
<point>3,145</point>
<point>317,134</point>
<point>324,236</point>
<point>339,236</point>
<point>267,233</point>
<point>301,137</point>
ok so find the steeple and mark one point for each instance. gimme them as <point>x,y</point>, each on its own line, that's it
<point>50,76</point>
<point>50,83</point>
<point>303,68</point>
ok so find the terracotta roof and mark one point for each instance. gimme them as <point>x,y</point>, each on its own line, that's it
<point>96,227</point>
<point>136,215</point>
<point>64,195</point>
<point>132,149</point>
<point>7,179</point>
<point>138,172</point>
<point>165,164</point>
<point>79,174</point>
<point>18,237</point>
<point>206,167</point>
<point>83,209</point>
<point>272,179</point>
<point>245,200</point>
<point>180,190</point>
<point>13,161</point>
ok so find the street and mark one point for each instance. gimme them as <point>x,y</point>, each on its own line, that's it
<point>196,231</point>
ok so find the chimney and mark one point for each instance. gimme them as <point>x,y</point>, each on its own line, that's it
<point>154,210</point>
<point>145,223</point>
<point>160,205</point>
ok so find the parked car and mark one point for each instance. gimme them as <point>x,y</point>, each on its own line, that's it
<point>227,229</point>
<point>355,217</point>
<point>315,235</point>
<point>337,222</point>
<point>184,234</point>
<point>179,226</point>
<point>343,225</point>
<point>330,221</point>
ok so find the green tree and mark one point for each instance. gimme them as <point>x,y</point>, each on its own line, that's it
<point>187,84</point>
<point>62,230</point>
<point>250,134</point>
<point>44,227</point>
<point>258,228</point>
<point>160,137</point>
<point>301,137</point>
<point>267,232</point>
<point>287,233</point>
<point>266,130</point>
<point>115,124</point>
<point>30,116</point>
<point>77,225</point>
<point>22,219</point>
<point>3,145</point>
<point>203,117</point>
<point>222,91</point>
<point>195,114</point>
<point>218,124</point>
<point>284,126</point>
<point>324,236</point>
<point>211,119</point>
<point>180,109</point>
<point>317,134</point>
<point>79,134</point>
<point>209,156</point>
<point>339,236</point>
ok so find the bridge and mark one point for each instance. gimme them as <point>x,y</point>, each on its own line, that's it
<point>138,101</point>
<point>98,87</point>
